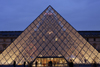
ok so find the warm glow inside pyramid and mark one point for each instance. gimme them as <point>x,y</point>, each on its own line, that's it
<point>51,36</point>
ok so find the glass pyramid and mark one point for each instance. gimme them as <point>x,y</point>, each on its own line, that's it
<point>49,35</point>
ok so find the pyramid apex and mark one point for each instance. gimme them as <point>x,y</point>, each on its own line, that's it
<point>49,5</point>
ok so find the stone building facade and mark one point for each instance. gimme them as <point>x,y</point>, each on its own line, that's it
<point>93,37</point>
<point>7,37</point>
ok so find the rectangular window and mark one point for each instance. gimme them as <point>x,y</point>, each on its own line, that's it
<point>94,39</point>
<point>87,39</point>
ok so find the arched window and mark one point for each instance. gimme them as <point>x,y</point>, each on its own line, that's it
<point>1,47</point>
<point>4,46</point>
<point>4,40</point>
<point>94,39</point>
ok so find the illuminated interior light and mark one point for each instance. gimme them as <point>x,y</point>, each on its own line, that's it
<point>51,58</point>
<point>50,32</point>
<point>40,55</point>
<point>59,55</point>
<point>56,39</point>
<point>43,39</point>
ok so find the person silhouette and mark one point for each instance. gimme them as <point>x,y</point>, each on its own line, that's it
<point>71,63</point>
<point>94,64</point>
<point>30,64</point>
<point>50,63</point>
<point>24,64</point>
<point>14,64</point>
<point>36,63</point>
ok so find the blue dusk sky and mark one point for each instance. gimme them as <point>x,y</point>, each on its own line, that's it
<point>16,15</point>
